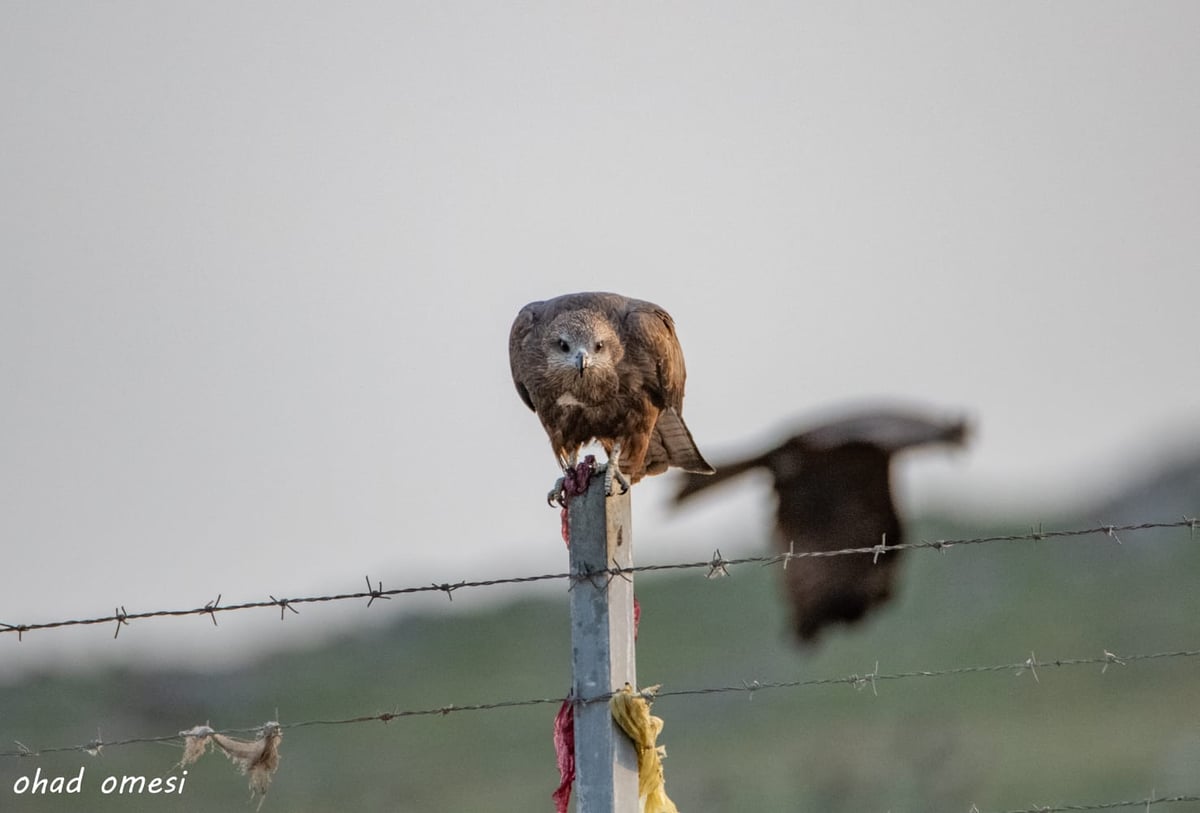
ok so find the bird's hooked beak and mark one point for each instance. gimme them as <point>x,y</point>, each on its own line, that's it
<point>582,361</point>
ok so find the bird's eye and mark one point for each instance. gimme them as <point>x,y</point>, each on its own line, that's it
<point>599,346</point>
<point>563,346</point>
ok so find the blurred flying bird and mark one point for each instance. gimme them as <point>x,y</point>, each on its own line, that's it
<point>834,487</point>
<point>603,367</point>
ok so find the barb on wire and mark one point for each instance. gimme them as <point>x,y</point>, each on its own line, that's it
<point>881,548</point>
<point>284,604</point>
<point>715,565</point>
<point>447,588</point>
<point>1031,664</point>
<point>618,572</point>
<point>19,629</point>
<point>375,592</point>
<point>94,747</point>
<point>749,687</point>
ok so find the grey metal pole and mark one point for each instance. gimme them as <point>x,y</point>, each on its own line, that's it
<point>602,649</point>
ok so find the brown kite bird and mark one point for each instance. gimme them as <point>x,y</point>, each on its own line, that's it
<point>834,489</point>
<point>606,368</point>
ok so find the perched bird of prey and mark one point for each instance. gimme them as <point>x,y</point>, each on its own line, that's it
<point>606,368</point>
<point>834,487</point>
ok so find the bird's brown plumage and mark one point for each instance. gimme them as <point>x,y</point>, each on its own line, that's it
<point>834,487</point>
<point>603,367</point>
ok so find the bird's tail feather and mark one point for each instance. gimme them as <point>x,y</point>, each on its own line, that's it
<point>677,440</point>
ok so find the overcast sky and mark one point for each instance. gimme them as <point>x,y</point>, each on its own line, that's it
<point>258,262</point>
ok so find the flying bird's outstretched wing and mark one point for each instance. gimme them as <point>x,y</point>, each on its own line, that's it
<point>603,367</point>
<point>834,488</point>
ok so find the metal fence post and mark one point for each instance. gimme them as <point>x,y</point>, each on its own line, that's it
<point>602,649</point>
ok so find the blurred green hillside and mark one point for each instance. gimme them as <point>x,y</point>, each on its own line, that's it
<point>999,740</point>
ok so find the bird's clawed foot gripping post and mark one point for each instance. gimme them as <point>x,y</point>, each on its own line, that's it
<point>565,484</point>
<point>558,493</point>
<point>612,472</point>
<point>576,476</point>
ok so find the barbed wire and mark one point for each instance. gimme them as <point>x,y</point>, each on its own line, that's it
<point>1030,664</point>
<point>716,565</point>
<point>871,679</point>
<point>1143,803</point>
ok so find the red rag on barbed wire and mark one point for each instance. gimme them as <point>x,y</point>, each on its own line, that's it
<point>564,751</point>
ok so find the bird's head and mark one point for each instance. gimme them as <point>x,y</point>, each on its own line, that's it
<point>582,343</point>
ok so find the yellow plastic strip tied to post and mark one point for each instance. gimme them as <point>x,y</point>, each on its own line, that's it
<point>632,712</point>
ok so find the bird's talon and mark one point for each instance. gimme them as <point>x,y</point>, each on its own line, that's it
<point>557,494</point>
<point>612,472</point>
<point>624,488</point>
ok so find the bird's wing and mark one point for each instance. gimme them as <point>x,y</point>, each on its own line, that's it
<point>522,349</point>
<point>887,428</point>
<point>689,484</point>
<point>648,333</point>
